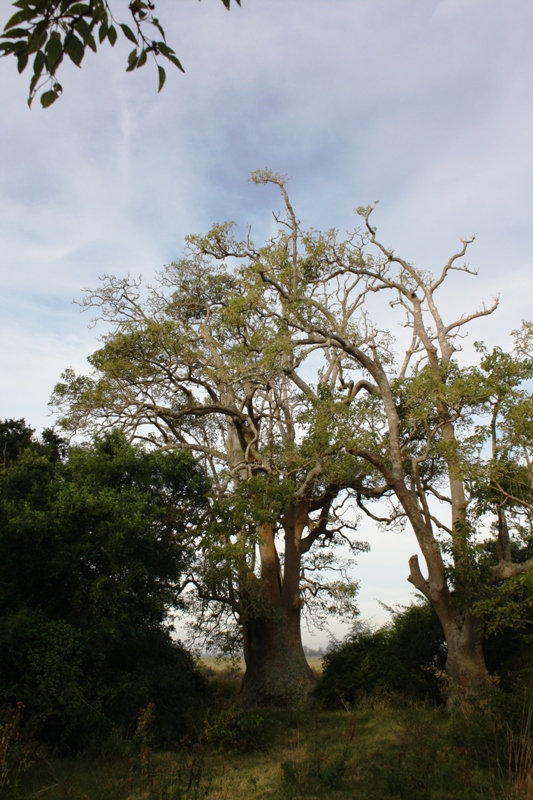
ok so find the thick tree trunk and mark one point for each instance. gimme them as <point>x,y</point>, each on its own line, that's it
<point>277,672</point>
<point>465,662</point>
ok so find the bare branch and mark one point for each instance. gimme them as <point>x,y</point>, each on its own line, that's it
<point>417,579</point>
<point>449,265</point>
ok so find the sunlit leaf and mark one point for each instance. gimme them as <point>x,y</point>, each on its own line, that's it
<point>54,52</point>
<point>112,35</point>
<point>20,16</point>
<point>132,60</point>
<point>22,60</point>
<point>37,41</point>
<point>142,59</point>
<point>176,62</point>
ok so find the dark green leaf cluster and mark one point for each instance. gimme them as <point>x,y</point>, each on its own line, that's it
<point>95,541</point>
<point>49,30</point>
<point>406,657</point>
<point>508,605</point>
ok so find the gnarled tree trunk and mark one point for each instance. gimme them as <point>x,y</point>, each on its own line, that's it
<point>277,672</point>
<point>465,662</point>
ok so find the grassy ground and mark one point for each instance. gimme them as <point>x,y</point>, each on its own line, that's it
<point>383,750</point>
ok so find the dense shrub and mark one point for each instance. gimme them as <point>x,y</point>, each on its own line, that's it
<point>77,686</point>
<point>94,543</point>
<point>407,657</point>
<point>509,655</point>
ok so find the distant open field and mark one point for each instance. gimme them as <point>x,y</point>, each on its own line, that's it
<point>315,662</point>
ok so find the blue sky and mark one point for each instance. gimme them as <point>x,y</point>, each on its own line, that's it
<point>424,105</point>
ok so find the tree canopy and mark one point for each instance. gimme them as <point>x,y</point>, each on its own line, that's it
<point>223,363</point>
<point>47,31</point>
<point>200,363</point>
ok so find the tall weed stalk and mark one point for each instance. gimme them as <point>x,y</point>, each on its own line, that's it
<point>16,755</point>
<point>520,758</point>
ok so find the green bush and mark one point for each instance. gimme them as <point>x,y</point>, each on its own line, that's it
<point>94,542</point>
<point>79,688</point>
<point>239,729</point>
<point>405,657</point>
<point>408,657</point>
<point>509,654</point>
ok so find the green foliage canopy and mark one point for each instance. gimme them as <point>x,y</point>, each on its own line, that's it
<point>412,436</point>
<point>199,362</point>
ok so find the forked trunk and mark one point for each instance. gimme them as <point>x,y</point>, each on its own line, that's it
<point>277,672</point>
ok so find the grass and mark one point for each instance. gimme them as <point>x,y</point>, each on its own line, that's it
<point>217,664</point>
<point>222,664</point>
<point>383,750</point>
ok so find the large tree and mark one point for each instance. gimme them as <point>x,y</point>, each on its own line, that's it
<point>202,363</point>
<point>445,444</point>
<point>410,433</point>
<point>50,30</point>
